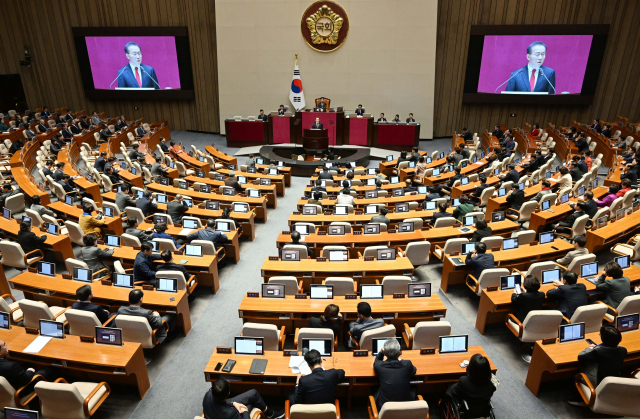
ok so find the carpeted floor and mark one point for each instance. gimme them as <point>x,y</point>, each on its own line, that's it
<point>177,367</point>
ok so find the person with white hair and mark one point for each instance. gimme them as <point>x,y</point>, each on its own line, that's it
<point>394,375</point>
<point>232,182</point>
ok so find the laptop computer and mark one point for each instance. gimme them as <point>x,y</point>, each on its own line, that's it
<point>551,275</point>
<point>589,271</point>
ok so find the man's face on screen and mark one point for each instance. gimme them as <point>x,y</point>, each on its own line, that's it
<point>537,56</point>
<point>134,55</point>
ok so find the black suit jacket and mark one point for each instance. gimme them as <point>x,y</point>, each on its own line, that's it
<point>325,175</point>
<point>318,387</point>
<point>29,241</point>
<point>511,176</point>
<point>606,132</point>
<point>42,128</point>
<point>480,263</point>
<point>317,126</point>
<point>569,298</point>
<point>75,130</point>
<point>571,219</point>
<point>394,376</point>
<point>632,176</point>
<point>437,215</point>
<point>480,234</point>
<point>360,111</point>
<point>263,117</point>
<point>477,396</point>
<point>148,208</point>
<point>14,373</point>
<point>608,358</point>
<point>99,164</point>
<point>535,165</point>
<point>592,207</point>
<point>516,199</point>
<point>497,133</point>
<point>176,210</point>
<point>101,313</point>
<point>526,302</point>
<point>84,124</point>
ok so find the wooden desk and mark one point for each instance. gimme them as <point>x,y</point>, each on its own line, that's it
<point>520,258</point>
<point>111,225</point>
<point>540,219</point>
<point>86,361</point>
<point>21,170</point>
<point>310,271</point>
<point>221,157</point>
<point>362,202</point>
<point>492,180</point>
<point>386,167</point>
<point>268,191</point>
<point>34,285</point>
<point>446,177</point>
<point>278,180</point>
<point>205,268</point>
<point>439,236</point>
<point>58,244</point>
<point>560,360</point>
<point>193,162</point>
<point>434,372</point>
<point>396,311</point>
<point>613,233</point>
<point>495,305</point>
<point>411,171</point>
<point>286,171</point>
<point>361,189</point>
<point>67,156</point>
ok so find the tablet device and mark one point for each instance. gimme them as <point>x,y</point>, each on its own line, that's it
<point>549,276</point>
<point>546,237</point>
<point>53,229</point>
<point>241,180</point>
<point>389,158</point>
<point>337,230</point>
<point>259,160</point>
<point>430,205</point>
<point>324,346</point>
<point>134,171</point>
<point>46,268</point>
<point>394,179</point>
<point>200,174</point>
<point>371,229</point>
<point>204,189</point>
<point>231,167</point>
<point>340,210</point>
<point>545,205</point>
<point>302,229</point>
<point>441,156</point>
<point>496,172</point>
<point>521,186</point>
<point>581,191</point>
<point>245,345</point>
<point>273,172</point>
<point>290,255</point>
<point>370,292</point>
<point>228,191</point>
<point>4,320</point>
<point>160,219</point>
<point>548,175</point>
<point>386,254</point>
<point>309,210</point>
<point>469,221</point>
<point>52,329</point>
<point>419,290</point>
<point>273,291</point>
<point>571,332</point>
<point>83,275</point>
<point>404,207</point>
<point>502,192</point>
<point>167,285</point>
<point>68,200</point>
<point>509,282</point>
<point>370,209</point>
<point>422,190</point>
<point>497,216</point>
<point>625,323</point>
<point>623,261</point>
<point>183,185</point>
<point>108,212</point>
<point>371,194</point>
<point>564,198</point>
<point>589,271</point>
<point>405,227</point>
<point>193,250</point>
<point>190,224</point>
<point>108,336</point>
<point>412,164</point>
<point>378,343</point>
<point>453,344</point>
<point>397,192</point>
<point>321,292</point>
<point>164,181</point>
<point>265,182</point>
<point>436,172</point>
<point>122,280</point>
<point>467,248</point>
<point>113,241</point>
<point>464,181</point>
<point>371,181</point>
<point>253,193</point>
<point>338,255</point>
<point>219,176</point>
<point>511,243</point>
<point>455,203</point>
<point>240,207</point>
<point>212,205</point>
<point>155,246</point>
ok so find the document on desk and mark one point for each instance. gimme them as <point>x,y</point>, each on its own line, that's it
<point>37,344</point>
<point>185,232</point>
<point>299,365</point>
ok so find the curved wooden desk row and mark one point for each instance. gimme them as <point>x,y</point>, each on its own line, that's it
<point>268,191</point>
<point>492,180</point>
<point>279,180</point>
<point>386,167</point>
<point>444,178</point>
<point>358,220</point>
<point>602,145</point>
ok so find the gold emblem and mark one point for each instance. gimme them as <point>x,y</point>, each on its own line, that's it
<point>324,26</point>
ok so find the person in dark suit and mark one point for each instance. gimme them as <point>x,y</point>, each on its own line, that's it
<point>474,198</point>
<point>132,229</point>
<point>360,110</point>
<point>42,126</point>
<point>100,162</point>
<point>431,195</point>
<point>317,124</point>
<point>330,319</point>
<point>140,131</point>
<point>134,154</point>
<point>123,200</point>
<point>382,118</point>
<point>581,163</point>
<point>84,295</point>
<point>537,162</point>
<point>147,206</point>
<point>466,135</point>
<point>562,226</point>
<point>83,122</point>
<point>120,124</point>
<point>105,133</point>
<point>66,133</point>
<point>295,239</point>
<point>112,177</point>
<point>394,375</point>
<point>163,145</point>
<point>464,152</point>
<point>57,175</point>
<point>218,405</point>
<point>47,169</point>
<point>396,119</point>
<point>74,128</point>
<point>45,112</point>
<point>169,265</point>
<point>581,143</point>
<point>516,198</point>
<point>28,239</point>
<point>531,299</point>
<point>209,233</point>
<point>629,173</point>
<point>575,172</point>
<point>17,145</point>
<point>281,110</point>
<point>533,77</point>
<point>568,293</point>
<point>591,206</point>
<point>410,118</point>
<point>382,217</point>
<point>442,212</point>
<point>497,132</point>
<point>262,116</point>
<point>606,131</point>
<point>143,267</point>
<point>616,288</point>
<point>318,187</point>
<point>476,388</point>
<point>319,386</point>
<point>511,176</point>
<point>479,260</point>
<point>135,74</point>
<point>325,174</point>
<point>155,320</point>
<point>482,230</point>
<point>177,208</point>
<point>94,256</point>
<point>596,125</point>
<point>7,191</point>
<point>232,182</point>
<point>29,132</point>
<point>17,375</point>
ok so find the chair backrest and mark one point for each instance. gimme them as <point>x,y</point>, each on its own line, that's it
<point>526,210</point>
<point>302,248</point>
<point>580,226</point>
<point>548,197</point>
<point>60,400</point>
<point>372,251</point>
<point>536,268</point>
<point>417,409</point>
<point>604,211</point>
<point>454,245</point>
<point>182,281</point>
<point>12,254</point>
<point>135,329</point>
<point>617,396</point>
<point>627,199</point>
<point>34,311</point>
<point>541,324</point>
<point>114,208</point>
<point>81,322</point>
<point>207,246</point>
<point>313,411</point>
<point>7,394</point>
<point>445,222</point>
<point>313,333</point>
<point>36,220</point>
<point>133,212</point>
<point>165,244</point>
<point>347,226</point>
<point>380,332</point>
<point>486,194</point>
<point>418,252</point>
<point>290,283</point>
<point>15,203</point>
<point>629,305</point>
<point>269,332</point>
<point>427,334</point>
<point>75,232</point>
<point>490,278</point>
<point>327,249</point>
<point>615,206</point>
<point>591,315</point>
<point>74,263</point>
<point>418,223</point>
<point>129,240</point>
<point>341,285</point>
<point>395,283</point>
<point>577,261</point>
<point>492,241</point>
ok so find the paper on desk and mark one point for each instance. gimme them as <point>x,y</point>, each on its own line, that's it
<point>37,345</point>
<point>186,231</point>
<point>304,369</point>
<point>295,361</point>
<point>302,238</point>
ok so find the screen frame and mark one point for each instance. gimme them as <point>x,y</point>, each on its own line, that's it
<point>235,345</point>
<point>109,328</point>
<point>454,336</point>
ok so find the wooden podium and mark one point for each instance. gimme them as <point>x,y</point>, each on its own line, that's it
<point>315,139</point>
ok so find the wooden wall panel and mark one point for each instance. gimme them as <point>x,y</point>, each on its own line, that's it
<point>54,77</point>
<point>618,90</point>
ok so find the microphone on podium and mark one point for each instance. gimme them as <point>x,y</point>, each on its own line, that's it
<point>145,72</point>
<point>119,74</point>
<point>549,81</point>
<point>515,74</point>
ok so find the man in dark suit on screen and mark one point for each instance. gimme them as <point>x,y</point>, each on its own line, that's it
<point>135,74</point>
<point>317,124</point>
<point>533,77</point>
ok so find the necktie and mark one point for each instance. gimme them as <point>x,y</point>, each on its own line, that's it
<point>532,81</point>
<point>140,80</point>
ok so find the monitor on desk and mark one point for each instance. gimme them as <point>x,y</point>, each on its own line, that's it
<point>201,158</point>
<point>371,194</point>
<point>122,280</point>
<point>419,290</point>
<point>164,181</point>
<point>404,207</point>
<point>108,212</point>
<point>371,292</point>
<point>231,167</point>
<point>467,248</point>
<point>188,201</point>
<point>511,243</point>
<point>201,174</point>
<point>190,224</point>
<point>454,344</point>
<point>11,413</point>
<point>371,229</point>
<point>134,171</point>
<point>588,269</point>
<point>455,203</point>
<point>545,205</point>
<point>464,181</point>
<point>623,261</point>
<point>497,216</point>
<point>428,160</point>
<point>4,320</point>
<point>302,229</point>
<point>273,172</point>
<point>548,175</point>
<point>253,193</point>
<point>172,165</point>
<point>46,268</point>
<point>430,205</point>
<point>435,172</point>
<point>167,284</point>
<point>551,275</point>
<point>183,185</point>
<point>370,209</point>
<point>309,210</point>
<point>259,160</point>
<point>571,332</point>
<point>69,200</point>
<point>406,227</point>
<point>193,250</point>
<point>112,240</point>
<point>394,179</point>
<point>290,255</point>
<point>441,156</point>
<point>212,205</point>
<point>340,210</point>
<point>336,230</point>
<point>422,190</point>
<point>627,323</point>
<point>221,225</point>
<point>496,172</point>
<point>108,336</point>
<point>83,275</point>
<point>469,220</point>
<point>273,291</point>
<point>53,228</point>
<point>160,219</point>
<point>52,329</point>
<point>581,191</point>
<point>321,292</point>
<point>371,181</point>
<point>241,180</point>
<point>602,221</point>
<point>240,207</point>
<point>155,246</point>
<point>205,188</point>
<point>564,198</point>
<point>324,346</point>
<point>509,282</point>
<point>249,346</point>
<point>219,177</point>
<point>280,163</point>
<point>390,158</point>
<point>412,164</point>
<point>546,237</point>
<point>371,171</point>
<point>328,165</point>
<point>502,192</point>
<point>338,255</point>
<point>265,182</point>
<point>386,254</point>
<point>140,194</point>
<point>378,343</point>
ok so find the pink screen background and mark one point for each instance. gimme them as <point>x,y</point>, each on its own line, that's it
<point>504,54</point>
<point>107,57</point>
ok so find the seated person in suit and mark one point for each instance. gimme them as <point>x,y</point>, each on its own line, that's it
<point>581,162</point>
<point>380,176</point>
<point>468,137</point>
<point>84,295</point>
<point>331,155</point>
<point>629,174</point>
<point>143,236</point>
<point>616,288</point>
<point>346,189</point>
<point>457,156</point>
<point>318,186</point>
<point>568,293</point>
<point>432,194</point>
<point>579,244</point>
<point>325,174</point>
<point>209,233</point>
<point>108,172</point>
<point>475,196</point>
<point>35,206</point>
<point>606,131</point>
<point>94,256</point>
<point>537,162</point>
<point>319,386</point>
<point>315,198</point>
<point>360,110</point>
<point>396,119</point>
<point>18,144</point>
<point>160,232</point>
<point>598,362</point>
<point>511,176</point>
<point>463,209</point>
<point>88,223</point>
<point>410,118</point>
<point>281,110</point>
<point>531,299</point>
<point>143,266</point>
<point>464,151</point>
<point>100,162</point>
<point>295,239</point>
<point>330,319</point>
<point>16,374</point>
<point>134,154</point>
<point>105,133</point>
<point>382,118</point>
<point>565,180</point>
<point>546,190</point>
<point>365,322</point>
<point>482,230</point>
<point>155,320</point>
<point>379,186</point>
<point>442,212</point>
<point>7,192</point>
<point>145,203</point>
<point>394,374</point>
<point>163,145</point>
<point>497,132</point>
<point>453,179</point>
<point>28,240</point>
<point>591,205</point>
<point>177,209</point>
<point>345,198</point>
<point>262,116</point>
<point>581,142</point>
<point>536,132</point>
<point>218,405</point>
<point>579,211</point>
<point>111,162</point>
<point>123,200</point>
<point>575,172</point>
<point>479,260</point>
<point>317,124</point>
<point>476,388</point>
<point>381,217</point>
<point>42,126</point>
<point>169,265</point>
<point>403,157</point>
<point>516,198</point>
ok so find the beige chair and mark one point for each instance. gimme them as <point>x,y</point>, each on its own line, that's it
<point>485,196</point>
<point>629,305</point>
<point>392,284</point>
<point>312,411</point>
<point>574,266</point>
<point>129,240</point>
<point>80,400</point>
<point>524,237</point>
<point>536,269</point>
<point>538,325</point>
<point>273,337</point>
<point>445,222</point>
<point>627,199</point>
<point>182,170</point>
<point>304,253</point>
<point>291,284</point>
<point>417,409</point>
<point>615,206</point>
<point>613,396</point>
<point>347,226</point>
<point>133,212</point>
<point>106,182</point>
<point>365,342</point>
<point>418,252</point>
<point>75,263</point>
<point>418,223</point>
<point>83,323</point>
<point>13,308</point>
<point>591,315</point>
<point>488,278</point>
<point>372,251</point>
<point>137,329</point>
<point>492,241</point>
<point>425,334</point>
<point>313,333</point>
<point>630,249</point>
<point>577,229</point>
<point>36,219</point>
<point>183,285</point>
<point>342,285</point>
<point>327,249</point>
<point>15,203</point>
<point>165,244</point>
<point>524,215</point>
<point>20,398</point>
<point>35,310</point>
<point>13,255</point>
<point>450,246</point>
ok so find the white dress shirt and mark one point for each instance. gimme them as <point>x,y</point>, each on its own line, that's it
<point>530,69</point>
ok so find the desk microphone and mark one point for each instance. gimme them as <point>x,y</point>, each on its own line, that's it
<point>114,80</point>
<point>516,73</point>
<point>545,76</point>
<point>145,72</point>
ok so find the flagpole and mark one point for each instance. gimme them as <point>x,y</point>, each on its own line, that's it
<point>296,58</point>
